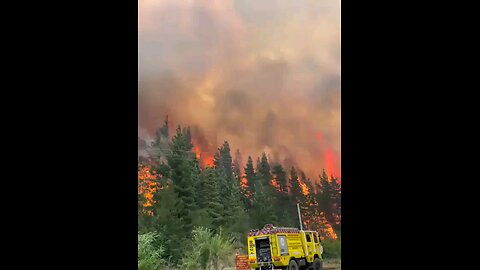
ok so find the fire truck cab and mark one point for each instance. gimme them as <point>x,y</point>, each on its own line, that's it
<point>284,248</point>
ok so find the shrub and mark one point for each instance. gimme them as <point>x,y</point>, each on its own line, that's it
<point>332,248</point>
<point>149,255</point>
<point>208,250</point>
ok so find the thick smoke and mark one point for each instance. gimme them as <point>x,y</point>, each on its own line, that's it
<point>263,75</point>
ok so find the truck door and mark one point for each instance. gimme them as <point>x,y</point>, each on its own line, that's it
<point>317,242</point>
<point>310,246</point>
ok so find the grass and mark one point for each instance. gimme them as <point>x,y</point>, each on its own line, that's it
<point>332,263</point>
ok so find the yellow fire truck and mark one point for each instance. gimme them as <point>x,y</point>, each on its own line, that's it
<point>284,248</point>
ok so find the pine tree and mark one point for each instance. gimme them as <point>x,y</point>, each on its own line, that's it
<point>263,211</point>
<point>223,161</point>
<point>264,173</point>
<point>163,132</point>
<point>310,210</point>
<point>296,194</point>
<point>159,147</point>
<point>336,190</point>
<point>282,201</point>
<point>296,190</point>
<point>251,176</point>
<point>168,219</point>
<point>324,197</point>
<point>230,190</point>
<point>235,212</point>
<point>182,173</point>
<point>188,137</point>
<point>237,163</point>
<point>210,194</point>
<point>280,177</point>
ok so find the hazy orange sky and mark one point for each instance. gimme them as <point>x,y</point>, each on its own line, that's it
<point>262,74</point>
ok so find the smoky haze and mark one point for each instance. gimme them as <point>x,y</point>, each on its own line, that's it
<point>263,75</point>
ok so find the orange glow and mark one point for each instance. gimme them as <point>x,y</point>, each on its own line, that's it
<point>321,225</point>
<point>197,151</point>
<point>330,232</point>
<point>244,183</point>
<point>330,157</point>
<point>146,184</point>
<point>205,159</point>
<point>330,166</point>
<point>275,184</point>
<point>304,187</point>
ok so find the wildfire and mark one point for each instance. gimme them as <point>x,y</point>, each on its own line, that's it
<point>330,167</point>
<point>330,232</point>
<point>147,185</point>
<point>275,184</point>
<point>205,159</point>
<point>304,187</point>
<point>330,157</point>
<point>244,183</point>
<point>197,152</point>
<point>321,225</point>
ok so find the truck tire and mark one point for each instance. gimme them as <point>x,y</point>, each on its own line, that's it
<point>317,264</point>
<point>293,265</point>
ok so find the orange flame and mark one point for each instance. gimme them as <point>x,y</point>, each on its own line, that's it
<point>321,225</point>
<point>244,182</point>
<point>275,184</point>
<point>197,151</point>
<point>330,166</point>
<point>330,232</point>
<point>304,187</point>
<point>147,185</point>
<point>205,159</point>
<point>330,157</point>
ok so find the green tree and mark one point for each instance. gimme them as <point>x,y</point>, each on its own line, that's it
<point>223,161</point>
<point>251,176</point>
<point>296,194</point>
<point>149,255</point>
<point>280,177</point>
<point>336,195</point>
<point>230,190</point>
<point>263,211</point>
<point>183,177</point>
<point>237,174</point>
<point>325,197</point>
<point>168,219</point>
<point>264,173</point>
<point>296,190</point>
<point>210,197</point>
<point>237,163</point>
<point>284,206</point>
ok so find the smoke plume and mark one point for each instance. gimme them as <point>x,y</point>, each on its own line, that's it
<point>263,75</point>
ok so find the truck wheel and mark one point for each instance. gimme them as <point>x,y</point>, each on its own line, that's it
<point>293,265</point>
<point>317,264</point>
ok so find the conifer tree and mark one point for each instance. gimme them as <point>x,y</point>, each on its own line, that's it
<point>182,173</point>
<point>251,176</point>
<point>263,211</point>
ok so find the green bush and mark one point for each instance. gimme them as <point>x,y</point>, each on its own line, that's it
<point>332,248</point>
<point>208,250</point>
<point>149,255</point>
